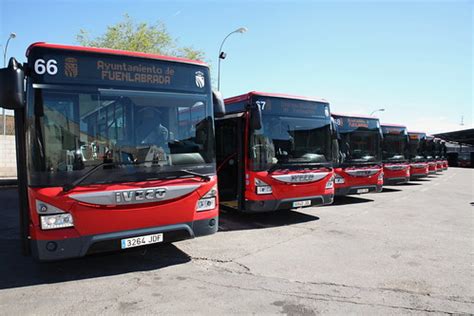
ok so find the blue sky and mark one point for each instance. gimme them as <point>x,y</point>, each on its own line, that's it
<point>415,59</point>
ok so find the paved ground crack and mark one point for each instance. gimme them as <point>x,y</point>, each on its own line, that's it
<point>221,261</point>
<point>328,298</point>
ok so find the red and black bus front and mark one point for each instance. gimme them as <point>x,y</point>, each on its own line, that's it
<point>396,167</point>
<point>431,153</point>
<point>118,151</point>
<point>419,167</point>
<point>359,168</point>
<point>274,152</point>
<point>440,147</point>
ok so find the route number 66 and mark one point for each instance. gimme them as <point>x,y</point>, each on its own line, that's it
<point>49,66</point>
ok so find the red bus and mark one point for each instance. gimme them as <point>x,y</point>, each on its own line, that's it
<point>108,155</point>
<point>465,159</point>
<point>431,153</point>
<point>274,152</point>
<point>396,167</point>
<point>416,154</point>
<point>442,162</point>
<point>359,166</point>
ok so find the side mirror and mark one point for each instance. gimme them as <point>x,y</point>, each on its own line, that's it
<point>255,117</point>
<point>218,104</point>
<point>12,86</point>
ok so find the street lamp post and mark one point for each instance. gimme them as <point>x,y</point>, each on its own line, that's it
<point>12,35</point>
<point>378,110</point>
<point>222,55</point>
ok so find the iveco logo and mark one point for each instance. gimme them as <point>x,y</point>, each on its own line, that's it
<point>135,196</point>
<point>148,195</point>
<point>362,173</point>
<point>302,177</point>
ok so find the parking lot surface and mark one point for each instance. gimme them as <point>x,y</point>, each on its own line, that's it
<point>407,250</point>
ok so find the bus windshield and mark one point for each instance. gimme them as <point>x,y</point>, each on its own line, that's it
<point>360,146</point>
<point>288,137</point>
<point>394,145</point>
<point>430,151</point>
<point>416,147</point>
<point>149,135</point>
<point>359,140</point>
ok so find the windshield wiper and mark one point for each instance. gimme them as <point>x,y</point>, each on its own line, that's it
<point>69,186</point>
<point>301,164</point>
<point>200,175</point>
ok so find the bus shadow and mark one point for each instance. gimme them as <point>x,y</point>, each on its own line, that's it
<point>421,180</point>
<point>232,220</point>
<point>17,270</point>
<point>387,190</point>
<point>343,200</point>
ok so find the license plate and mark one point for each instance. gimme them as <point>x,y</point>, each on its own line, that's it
<point>141,241</point>
<point>362,190</point>
<point>302,203</point>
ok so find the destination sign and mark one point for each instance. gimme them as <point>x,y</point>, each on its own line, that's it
<point>345,123</point>
<point>394,130</point>
<point>55,66</point>
<point>416,136</point>
<point>292,107</point>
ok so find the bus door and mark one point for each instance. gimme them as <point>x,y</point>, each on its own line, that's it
<point>230,158</point>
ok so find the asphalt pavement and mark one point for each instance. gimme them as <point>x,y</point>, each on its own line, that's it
<point>407,250</point>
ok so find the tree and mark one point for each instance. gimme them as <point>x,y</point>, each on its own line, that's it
<point>141,37</point>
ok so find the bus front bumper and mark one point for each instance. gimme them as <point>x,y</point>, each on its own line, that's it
<point>392,181</point>
<point>414,176</point>
<point>284,204</point>
<point>50,250</point>
<point>358,190</point>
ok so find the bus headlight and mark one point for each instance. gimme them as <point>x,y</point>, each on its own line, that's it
<point>330,183</point>
<point>263,187</point>
<point>57,221</point>
<point>380,178</point>
<point>208,201</point>
<point>339,179</point>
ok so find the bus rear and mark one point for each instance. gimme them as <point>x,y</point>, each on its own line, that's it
<point>416,154</point>
<point>116,151</point>
<point>359,168</point>
<point>274,152</point>
<point>396,167</point>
